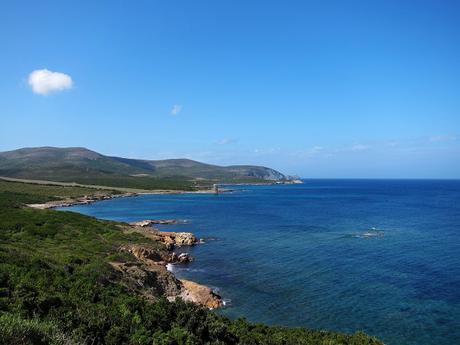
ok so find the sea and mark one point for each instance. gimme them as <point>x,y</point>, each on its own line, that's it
<point>378,256</point>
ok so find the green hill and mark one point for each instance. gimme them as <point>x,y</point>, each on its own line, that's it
<point>84,166</point>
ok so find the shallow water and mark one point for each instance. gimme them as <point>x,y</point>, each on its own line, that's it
<point>382,256</point>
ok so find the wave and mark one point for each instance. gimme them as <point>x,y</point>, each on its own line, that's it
<point>179,268</point>
<point>372,232</point>
<point>227,302</point>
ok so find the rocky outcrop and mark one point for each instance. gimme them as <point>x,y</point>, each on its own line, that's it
<point>182,258</point>
<point>200,294</point>
<point>169,239</point>
<point>150,222</point>
<point>151,281</point>
<point>145,254</point>
<point>149,277</point>
<point>177,238</point>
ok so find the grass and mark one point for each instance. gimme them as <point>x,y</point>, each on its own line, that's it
<point>87,186</point>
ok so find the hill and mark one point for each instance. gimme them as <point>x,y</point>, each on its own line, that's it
<point>76,164</point>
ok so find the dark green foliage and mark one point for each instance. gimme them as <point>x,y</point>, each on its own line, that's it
<point>57,287</point>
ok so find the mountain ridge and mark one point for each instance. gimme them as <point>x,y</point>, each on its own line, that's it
<point>79,164</point>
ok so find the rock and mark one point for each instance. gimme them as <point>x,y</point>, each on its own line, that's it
<point>143,253</point>
<point>184,239</point>
<point>142,223</point>
<point>182,258</point>
<point>176,238</point>
<point>149,222</point>
<point>150,281</point>
<point>148,276</point>
<point>200,294</point>
<point>170,239</point>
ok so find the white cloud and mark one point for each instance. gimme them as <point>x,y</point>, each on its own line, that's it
<point>176,109</point>
<point>226,141</point>
<point>43,81</point>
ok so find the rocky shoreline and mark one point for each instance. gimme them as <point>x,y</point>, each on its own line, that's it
<point>150,276</point>
<point>84,200</point>
<point>102,195</point>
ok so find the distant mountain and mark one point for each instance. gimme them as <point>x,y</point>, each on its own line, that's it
<point>76,164</point>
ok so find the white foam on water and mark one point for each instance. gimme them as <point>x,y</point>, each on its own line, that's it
<point>226,302</point>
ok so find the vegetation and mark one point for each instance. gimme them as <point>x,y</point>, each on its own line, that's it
<point>87,167</point>
<point>57,287</point>
<point>31,193</point>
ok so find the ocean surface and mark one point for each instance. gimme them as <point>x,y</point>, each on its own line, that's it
<point>381,256</point>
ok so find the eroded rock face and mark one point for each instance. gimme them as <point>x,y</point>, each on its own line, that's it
<point>150,281</point>
<point>149,276</point>
<point>182,258</point>
<point>200,294</point>
<point>153,281</point>
<point>170,239</point>
<point>178,238</point>
<point>143,253</point>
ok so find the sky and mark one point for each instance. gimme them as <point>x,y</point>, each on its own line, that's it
<point>325,89</point>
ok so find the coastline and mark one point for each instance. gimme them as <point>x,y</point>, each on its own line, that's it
<point>149,262</point>
<point>185,289</point>
<point>101,196</point>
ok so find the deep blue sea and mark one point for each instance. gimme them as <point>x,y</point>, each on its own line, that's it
<point>382,256</point>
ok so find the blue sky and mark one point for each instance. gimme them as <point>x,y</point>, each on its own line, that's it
<point>315,88</point>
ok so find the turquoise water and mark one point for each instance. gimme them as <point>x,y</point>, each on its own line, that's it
<point>347,255</point>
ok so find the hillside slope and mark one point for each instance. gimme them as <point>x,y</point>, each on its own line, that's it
<point>85,166</point>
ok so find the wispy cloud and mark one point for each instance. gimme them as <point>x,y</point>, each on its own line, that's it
<point>176,109</point>
<point>442,138</point>
<point>43,81</point>
<point>359,147</point>
<point>226,141</point>
<point>307,153</point>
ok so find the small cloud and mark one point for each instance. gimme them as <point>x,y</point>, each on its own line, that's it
<point>267,151</point>
<point>226,141</point>
<point>176,109</point>
<point>43,81</point>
